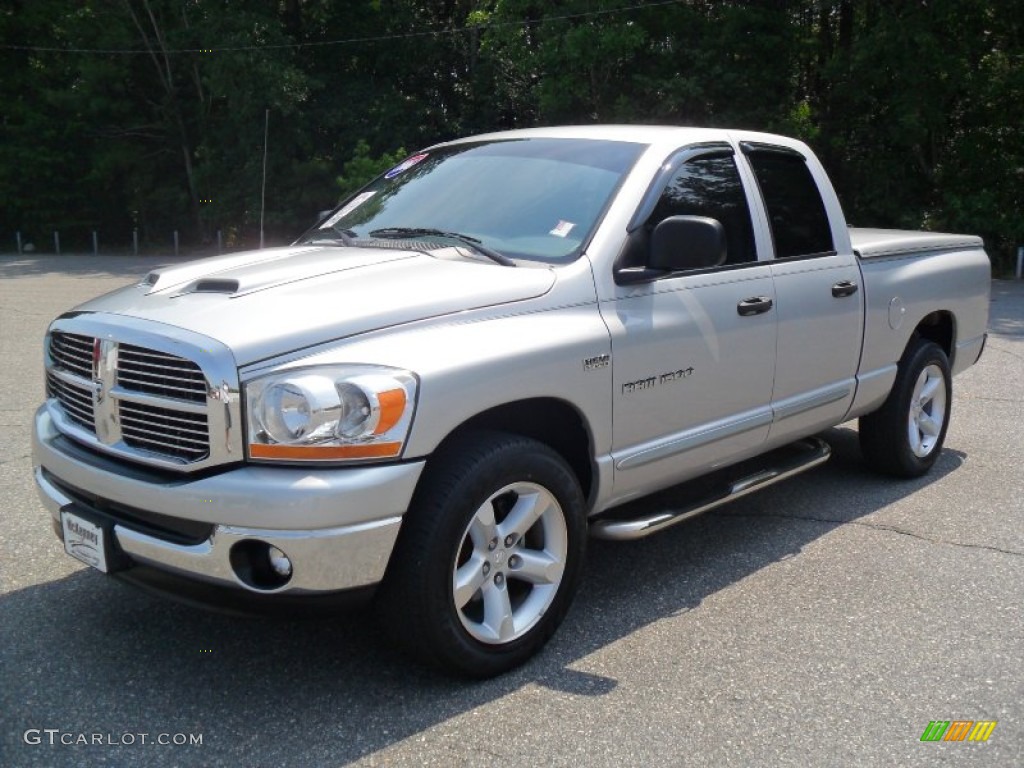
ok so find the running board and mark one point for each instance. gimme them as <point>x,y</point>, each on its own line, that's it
<point>812,452</point>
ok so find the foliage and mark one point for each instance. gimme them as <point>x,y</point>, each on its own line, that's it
<point>362,168</point>
<point>915,107</point>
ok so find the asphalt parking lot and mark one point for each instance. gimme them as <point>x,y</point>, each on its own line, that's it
<point>823,622</point>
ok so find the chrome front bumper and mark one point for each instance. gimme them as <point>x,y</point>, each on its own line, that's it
<point>337,526</point>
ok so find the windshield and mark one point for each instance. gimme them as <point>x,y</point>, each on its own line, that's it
<point>536,199</point>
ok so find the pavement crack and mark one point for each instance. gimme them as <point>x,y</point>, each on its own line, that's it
<point>879,527</point>
<point>15,458</point>
<point>998,348</point>
<point>991,399</point>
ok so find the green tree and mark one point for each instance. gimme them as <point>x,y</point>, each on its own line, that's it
<point>151,113</point>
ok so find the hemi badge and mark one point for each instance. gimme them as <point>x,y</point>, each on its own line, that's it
<point>593,363</point>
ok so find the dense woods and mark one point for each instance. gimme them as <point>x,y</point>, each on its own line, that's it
<point>150,114</point>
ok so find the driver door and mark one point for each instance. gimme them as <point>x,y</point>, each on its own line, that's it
<point>693,366</point>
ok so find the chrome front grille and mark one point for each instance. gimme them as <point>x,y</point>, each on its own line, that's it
<point>74,399</point>
<point>142,402</point>
<point>165,430</point>
<point>73,353</point>
<point>156,373</point>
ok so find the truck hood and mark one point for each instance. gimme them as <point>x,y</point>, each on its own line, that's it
<point>266,303</point>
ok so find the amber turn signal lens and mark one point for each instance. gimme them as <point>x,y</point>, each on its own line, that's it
<point>325,452</point>
<point>392,406</point>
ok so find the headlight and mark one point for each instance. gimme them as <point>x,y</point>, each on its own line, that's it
<point>330,413</point>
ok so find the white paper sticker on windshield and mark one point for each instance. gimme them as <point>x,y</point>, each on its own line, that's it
<point>562,228</point>
<point>354,203</point>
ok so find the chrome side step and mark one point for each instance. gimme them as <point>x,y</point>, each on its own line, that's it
<point>812,452</point>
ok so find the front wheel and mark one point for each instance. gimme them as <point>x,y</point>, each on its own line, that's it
<point>489,555</point>
<point>904,437</point>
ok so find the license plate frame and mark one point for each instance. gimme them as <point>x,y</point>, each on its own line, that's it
<point>87,539</point>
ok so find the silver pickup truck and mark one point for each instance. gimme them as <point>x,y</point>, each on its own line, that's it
<point>490,351</point>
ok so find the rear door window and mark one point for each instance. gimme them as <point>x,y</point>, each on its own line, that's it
<point>796,213</point>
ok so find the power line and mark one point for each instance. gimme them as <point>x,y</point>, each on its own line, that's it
<point>346,41</point>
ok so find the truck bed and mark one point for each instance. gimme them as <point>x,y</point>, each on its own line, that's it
<point>873,243</point>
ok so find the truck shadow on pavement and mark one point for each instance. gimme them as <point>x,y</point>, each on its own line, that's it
<point>90,654</point>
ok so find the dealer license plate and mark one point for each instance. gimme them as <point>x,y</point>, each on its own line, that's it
<point>84,540</point>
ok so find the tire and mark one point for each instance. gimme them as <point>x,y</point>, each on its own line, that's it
<point>489,555</point>
<point>904,437</point>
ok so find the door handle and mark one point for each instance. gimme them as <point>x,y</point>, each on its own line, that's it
<point>844,288</point>
<point>755,305</point>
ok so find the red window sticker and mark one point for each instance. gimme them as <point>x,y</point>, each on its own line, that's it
<point>406,164</point>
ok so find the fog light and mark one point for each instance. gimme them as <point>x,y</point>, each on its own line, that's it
<point>279,562</point>
<point>259,565</point>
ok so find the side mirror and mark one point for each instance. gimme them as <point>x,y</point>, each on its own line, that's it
<point>687,242</point>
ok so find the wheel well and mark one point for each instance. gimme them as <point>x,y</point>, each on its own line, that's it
<point>939,328</point>
<point>547,420</point>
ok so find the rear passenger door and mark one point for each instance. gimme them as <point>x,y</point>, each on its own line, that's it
<point>818,296</point>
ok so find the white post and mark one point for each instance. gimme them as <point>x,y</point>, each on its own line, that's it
<point>220,242</point>
<point>135,241</point>
<point>1020,262</point>
<point>17,236</point>
<point>56,242</point>
<point>175,242</point>
<point>95,243</point>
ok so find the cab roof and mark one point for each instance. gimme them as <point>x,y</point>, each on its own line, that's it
<point>652,135</point>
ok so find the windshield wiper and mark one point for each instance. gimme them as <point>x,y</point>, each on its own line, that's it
<point>346,236</point>
<point>472,242</point>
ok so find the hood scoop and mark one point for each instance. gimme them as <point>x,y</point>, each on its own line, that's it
<point>219,285</point>
<point>213,285</point>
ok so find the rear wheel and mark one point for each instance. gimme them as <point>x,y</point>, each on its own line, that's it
<point>904,437</point>
<point>489,555</point>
